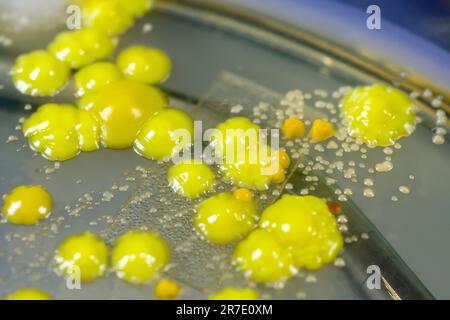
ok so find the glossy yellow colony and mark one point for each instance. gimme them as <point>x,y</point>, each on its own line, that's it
<point>106,15</point>
<point>60,132</point>
<point>261,257</point>
<point>234,135</point>
<point>84,255</point>
<point>305,226</point>
<point>378,114</point>
<point>95,76</point>
<point>122,108</point>
<point>225,218</point>
<point>27,205</point>
<point>165,134</point>
<point>148,65</point>
<point>39,73</point>
<point>191,178</point>
<point>29,294</point>
<point>321,130</point>
<point>293,127</point>
<point>139,255</point>
<point>80,47</point>
<point>231,293</point>
<point>135,8</point>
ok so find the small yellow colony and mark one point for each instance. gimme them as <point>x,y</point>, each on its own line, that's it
<point>247,162</point>
<point>165,134</point>
<point>80,47</point>
<point>226,217</point>
<point>60,132</point>
<point>39,73</point>
<point>138,256</point>
<point>122,108</point>
<point>167,289</point>
<point>191,178</point>
<point>95,76</point>
<point>83,254</point>
<point>306,227</point>
<point>321,130</point>
<point>293,127</point>
<point>235,294</point>
<point>262,257</point>
<point>29,294</point>
<point>378,114</point>
<point>148,65</point>
<point>27,205</point>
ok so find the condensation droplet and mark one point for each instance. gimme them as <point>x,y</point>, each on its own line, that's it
<point>404,189</point>
<point>369,193</point>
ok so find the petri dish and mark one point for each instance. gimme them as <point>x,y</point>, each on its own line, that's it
<point>223,59</point>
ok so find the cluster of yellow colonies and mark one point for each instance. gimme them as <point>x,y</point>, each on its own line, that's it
<point>294,232</point>
<point>109,94</point>
<point>137,256</point>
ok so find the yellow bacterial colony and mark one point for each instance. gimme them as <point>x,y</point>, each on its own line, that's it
<point>236,294</point>
<point>262,257</point>
<point>191,178</point>
<point>29,294</point>
<point>306,227</point>
<point>165,134</point>
<point>378,115</point>
<point>80,47</point>
<point>39,73</point>
<point>27,205</point>
<point>118,106</point>
<point>95,76</point>
<point>84,255</point>
<point>138,256</point>
<point>225,218</point>
<point>148,65</point>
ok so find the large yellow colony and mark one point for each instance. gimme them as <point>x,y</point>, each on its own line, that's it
<point>29,294</point>
<point>136,257</point>
<point>306,227</point>
<point>378,114</point>
<point>294,232</point>
<point>226,217</point>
